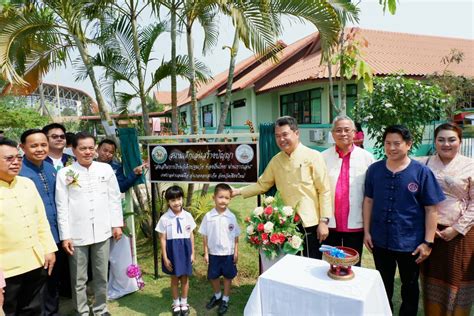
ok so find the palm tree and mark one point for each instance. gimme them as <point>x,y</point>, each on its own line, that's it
<point>37,37</point>
<point>117,58</point>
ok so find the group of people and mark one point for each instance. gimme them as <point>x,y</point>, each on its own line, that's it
<point>58,214</point>
<point>412,214</point>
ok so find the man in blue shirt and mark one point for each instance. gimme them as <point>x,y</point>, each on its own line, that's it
<point>34,144</point>
<point>400,215</point>
<point>106,152</point>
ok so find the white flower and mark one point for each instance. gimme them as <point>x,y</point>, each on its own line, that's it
<point>250,229</point>
<point>295,242</point>
<point>368,117</point>
<point>388,105</point>
<point>269,200</point>
<point>287,210</point>
<point>268,227</point>
<point>258,211</point>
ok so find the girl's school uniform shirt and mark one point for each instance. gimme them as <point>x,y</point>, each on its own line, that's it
<point>178,230</point>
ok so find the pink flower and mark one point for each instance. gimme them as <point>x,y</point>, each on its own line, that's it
<point>264,236</point>
<point>133,271</point>
<point>260,227</point>
<point>297,218</point>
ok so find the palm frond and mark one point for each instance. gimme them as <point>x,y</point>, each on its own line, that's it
<point>147,39</point>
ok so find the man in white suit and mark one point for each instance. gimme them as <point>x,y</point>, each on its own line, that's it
<point>89,213</point>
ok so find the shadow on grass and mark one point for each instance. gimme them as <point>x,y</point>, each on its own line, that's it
<point>159,302</point>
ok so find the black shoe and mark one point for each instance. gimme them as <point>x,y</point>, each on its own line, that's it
<point>213,302</point>
<point>185,312</point>
<point>223,308</point>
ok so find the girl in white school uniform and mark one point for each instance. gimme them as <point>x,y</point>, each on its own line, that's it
<point>177,243</point>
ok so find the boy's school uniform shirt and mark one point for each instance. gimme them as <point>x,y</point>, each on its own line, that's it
<point>221,230</point>
<point>176,226</point>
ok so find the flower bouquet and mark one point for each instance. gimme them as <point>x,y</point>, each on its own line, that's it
<point>273,228</point>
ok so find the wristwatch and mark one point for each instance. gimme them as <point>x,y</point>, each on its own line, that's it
<point>428,243</point>
<point>324,220</point>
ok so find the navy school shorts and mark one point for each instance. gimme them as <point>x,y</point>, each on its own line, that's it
<point>221,265</point>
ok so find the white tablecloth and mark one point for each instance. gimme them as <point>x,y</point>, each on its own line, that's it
<point>300,286</point>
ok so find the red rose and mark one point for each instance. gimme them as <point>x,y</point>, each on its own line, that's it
<point>275,239</point>
<point>282,238</point>
<point>268,210</point>
<point>260,227</point>
<point>254,240</point>
<point>296,218</point>
<point>247,219</point>
<point>264,236</point>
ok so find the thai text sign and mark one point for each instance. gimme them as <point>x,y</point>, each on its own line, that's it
<point>204,162</point>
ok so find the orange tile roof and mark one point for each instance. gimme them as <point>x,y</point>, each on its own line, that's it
<point>387,53</point>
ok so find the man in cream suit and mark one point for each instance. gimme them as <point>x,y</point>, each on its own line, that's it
<point>89,213</point>
<point>347,165</point>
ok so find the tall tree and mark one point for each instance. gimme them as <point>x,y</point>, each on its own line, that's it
<point>38,36</point>
<point>258,24</point>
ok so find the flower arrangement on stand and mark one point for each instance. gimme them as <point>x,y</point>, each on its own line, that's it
<point>273,228</point>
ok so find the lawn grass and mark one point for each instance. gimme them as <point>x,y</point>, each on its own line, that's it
<point>155,298</point>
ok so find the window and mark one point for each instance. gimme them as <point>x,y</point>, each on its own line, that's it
<point>351,98</point>
<point>305,106</point>
<point>183,121</point>
<point>206,115</point>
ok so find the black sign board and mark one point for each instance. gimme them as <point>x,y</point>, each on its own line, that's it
<point>204,162</point>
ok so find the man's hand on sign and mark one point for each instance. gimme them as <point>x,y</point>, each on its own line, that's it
<point>139,169</point>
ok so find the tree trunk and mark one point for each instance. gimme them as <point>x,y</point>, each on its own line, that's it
<point>194,110</point>
<point>192,82</point>
<point>342,84</point>
<point>230,79</point>
<point>332,103</point>
<point>103,110</point>
<point>174,85</point>
<point>138,62</point>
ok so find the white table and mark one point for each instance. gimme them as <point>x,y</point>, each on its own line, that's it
<point>300,286</point>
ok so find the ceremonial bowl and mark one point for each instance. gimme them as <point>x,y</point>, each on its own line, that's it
<point>340,268</point>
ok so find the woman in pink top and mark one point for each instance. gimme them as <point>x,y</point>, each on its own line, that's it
<point>359,136</point>
<point>448,273</point>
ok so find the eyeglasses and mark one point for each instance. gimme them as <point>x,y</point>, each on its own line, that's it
<point>11,159</point>
<point>340,131</point>
<point>54,136</point>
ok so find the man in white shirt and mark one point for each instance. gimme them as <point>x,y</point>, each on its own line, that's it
<point>89,213</point>
<point>347,165</point>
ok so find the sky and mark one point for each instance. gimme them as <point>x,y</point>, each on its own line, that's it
<point>450,18</point>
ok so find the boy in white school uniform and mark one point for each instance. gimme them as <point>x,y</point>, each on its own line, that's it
<point>220,232</point>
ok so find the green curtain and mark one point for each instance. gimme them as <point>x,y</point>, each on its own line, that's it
<point>130,151</point>
<point>268,149</point>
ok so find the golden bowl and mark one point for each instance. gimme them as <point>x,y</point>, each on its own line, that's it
<point>341,267</point>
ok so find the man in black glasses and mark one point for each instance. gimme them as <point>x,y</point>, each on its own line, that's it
<point>56,134</point>
<point>34,144</point>
<point>26,244</point>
